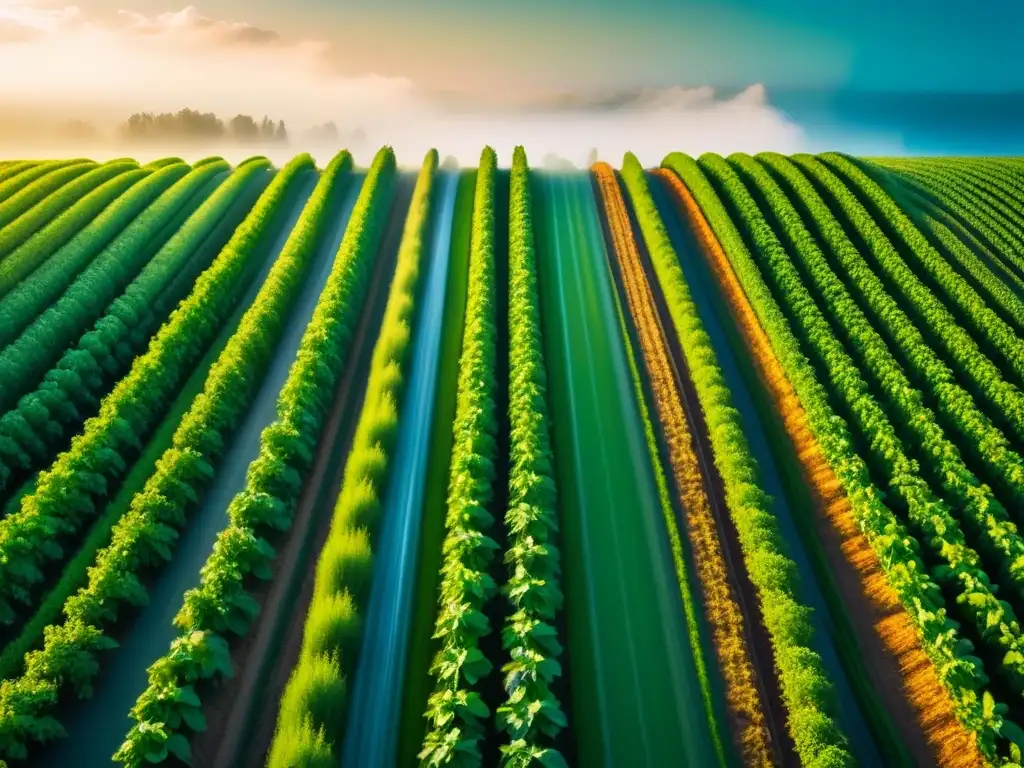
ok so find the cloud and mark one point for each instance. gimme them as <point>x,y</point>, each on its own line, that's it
<point>12,31</point>
<point>189,24</point>
<point>136,62</point>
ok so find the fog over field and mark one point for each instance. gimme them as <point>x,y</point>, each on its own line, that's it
<point>64,65</point>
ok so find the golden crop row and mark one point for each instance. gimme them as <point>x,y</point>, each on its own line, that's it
<point>952,744</point>
<point>722,610</point>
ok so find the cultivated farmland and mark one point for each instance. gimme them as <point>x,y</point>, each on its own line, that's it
<point>713,464</point>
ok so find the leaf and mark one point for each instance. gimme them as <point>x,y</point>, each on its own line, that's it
<point>178,746</point>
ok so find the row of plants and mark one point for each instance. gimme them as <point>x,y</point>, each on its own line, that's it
<point>13,187</point>
<point>57,200</point>
<point>1007,190</point>
<point>32,432</point>
<point>984,516</point>
<point>220,609</point>
<point>983,440</point>
<point>27,201</point>
<point>1004,402</point>
<point>720,609</point>
<point>41,344</point>
<point>928,513</point>
<point>143,539</point>
<point>897,550</point>
<point>13,167</point>
<point>311,717</point>
<point>1002,174</point>
<point>989,203</point>
<point>988,326</point>
<point>925,213</point>
<point>20,262</point>
<point>158,438</point>
<point>532,715</point>
<point>24,304</point>
<point>949,740</point>
<point>73,491</point>
<point>806,690</point>
<point>456,713</point>
<point>418,682</point>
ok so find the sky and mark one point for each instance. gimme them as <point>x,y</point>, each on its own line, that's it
<point>708,73</point>
<point>532,44</point>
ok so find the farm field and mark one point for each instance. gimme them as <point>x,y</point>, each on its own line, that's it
<point>718,463</point>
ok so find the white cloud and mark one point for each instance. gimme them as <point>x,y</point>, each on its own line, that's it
<point>134,62</point>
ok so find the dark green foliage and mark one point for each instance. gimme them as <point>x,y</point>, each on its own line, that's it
<point>79,379</point>
<point>220,607</point>
<point>25,305</point>
<point>69,494</point>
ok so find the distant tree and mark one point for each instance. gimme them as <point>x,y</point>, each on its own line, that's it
<point>266,129</point>
<point>192,125</point>
<point>281,133</point>
<point>244,128</point>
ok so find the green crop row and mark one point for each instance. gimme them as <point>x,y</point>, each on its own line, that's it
<point>48,335</point>
<point>23,260</point>
<point>970,250</point>
<point>20,192</point>
<point>932,517</point>
<point>983,440</point>
<point>982,195</point>
<point>145,536</point>
<point>532,715</point>
<point>806,690</point>
<point>985,517</point>
<point>31,432</point>
<point>220,607</point>
<point>976,314</point>
<point>1008,194</point>
<point>897,550</point>
<point>455,711</point>
<point>999,173</point>
<point>311,718</point>
<point>930,313</point>
<point>27,201</point>
<point>56,202</point>
<point>945,184</point>
<point>24,304</point>
<point>15,167</point>
<point>74,489</point>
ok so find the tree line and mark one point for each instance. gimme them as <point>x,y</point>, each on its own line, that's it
<point>191,124</point>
